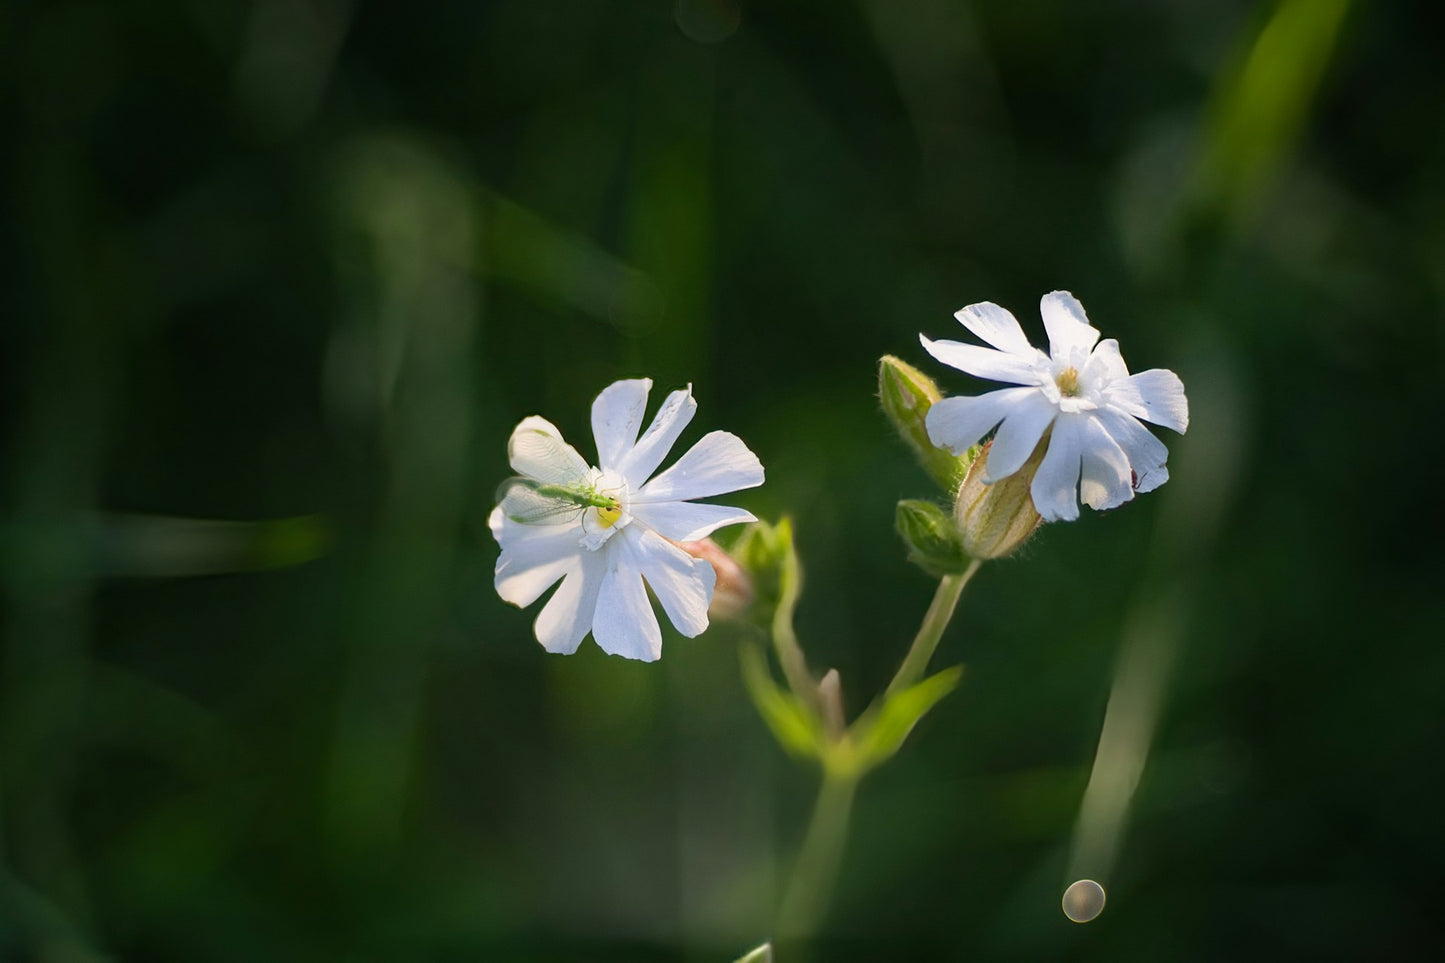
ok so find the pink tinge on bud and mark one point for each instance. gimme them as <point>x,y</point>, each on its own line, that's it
<point>733,593</point>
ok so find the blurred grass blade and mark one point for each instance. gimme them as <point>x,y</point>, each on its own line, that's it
<point>1259,110</point>
<point>110,545</point>
<point>402,372</point>
<point>160,546</point>
<point>560,265</point>
<point>761,954</point>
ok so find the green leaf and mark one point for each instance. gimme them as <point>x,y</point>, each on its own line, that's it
<point>882,735</point>
<point>795,728</point>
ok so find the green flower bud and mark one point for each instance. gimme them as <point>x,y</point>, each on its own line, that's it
<point>761,547</point>
<point>765,557</point>
<point>907,394</point>
<point>996,519</point>
<point>933,540</point>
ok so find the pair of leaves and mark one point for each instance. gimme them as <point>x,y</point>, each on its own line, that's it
<point>870,741</point>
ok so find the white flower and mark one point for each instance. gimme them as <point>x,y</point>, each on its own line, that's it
<point>1097,449</point>
<point>603,530</point>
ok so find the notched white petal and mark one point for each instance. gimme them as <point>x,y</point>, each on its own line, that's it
<point>957,422</point>
<point>1156,395</point>
<point>1146,453</point>
<point>568,615</point>
<point>536,450</point>
<point>1105,480</point>
<point>717,464</point>
<point>1068,327</point>
<point>532,558</point>
<point>638,464</point>
<point>617,417</point>
<point>683,584</point>
<point>997,326</point>
<point>1019,435</point>
<point>1106,365</point>
<point>687,521</point>
<point>1056,483</point>
<point>984,362</point>
<point>624,623</point>
<point>1150,479</point>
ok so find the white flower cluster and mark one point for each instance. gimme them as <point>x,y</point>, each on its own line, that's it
<point>1081,393</point>
<point>603,531</point>
<point>610,532</point>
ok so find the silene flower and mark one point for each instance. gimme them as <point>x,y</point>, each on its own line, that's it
<point>603,531</point>
<point>1081,395</point>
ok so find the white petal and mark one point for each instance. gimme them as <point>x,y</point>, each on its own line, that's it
<point>956,423</point>
<point>1068,327</point>
<point>638,464</point>
<point>983,362</point>
<point>1155,395</point>
<point>996,326</point>
<point>617,417</point>
<point>568,615</point>
<point>624,623</point>
<point>682,583</point>
<point>1106,482</point>
<point>1055,485</point>
<point>718,463</point>
<point>1019,435</point>
<point>1146,453</point>
<point>533,557</point>
<point>1105,365</point>
<point>686,521</point>
<point>536,449</point>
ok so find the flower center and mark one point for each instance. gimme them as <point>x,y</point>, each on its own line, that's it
<point>1068,382</point>
<point>606,512</point>
<point>607,515</point>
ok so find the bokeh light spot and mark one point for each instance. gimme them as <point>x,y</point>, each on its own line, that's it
<point>1083,900</point>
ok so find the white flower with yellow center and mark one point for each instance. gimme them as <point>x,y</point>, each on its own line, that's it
<point>1081,392</point>
<point>603,531</point>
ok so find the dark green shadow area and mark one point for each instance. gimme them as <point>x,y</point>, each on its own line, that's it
<point>279,278</point>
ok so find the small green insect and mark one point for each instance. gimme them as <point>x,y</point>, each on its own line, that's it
<point>530,502</point>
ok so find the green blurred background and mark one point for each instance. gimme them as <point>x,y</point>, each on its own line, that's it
<point>282,275</point>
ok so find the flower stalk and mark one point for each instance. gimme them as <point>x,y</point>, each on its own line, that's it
<point>849,752</point>
<point>811,887</point>
<point>940,612</point>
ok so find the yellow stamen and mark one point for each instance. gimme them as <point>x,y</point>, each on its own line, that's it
<point>609,514</point>
<point>1068,382</point>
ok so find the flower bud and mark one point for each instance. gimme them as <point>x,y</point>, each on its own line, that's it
<point>906,394</point>
<point>933,540</point>
<point>733,591</point>
<point>994,519</point>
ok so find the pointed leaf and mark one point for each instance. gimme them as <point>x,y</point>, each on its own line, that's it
<point>792,725</point>
<point>883,734</point>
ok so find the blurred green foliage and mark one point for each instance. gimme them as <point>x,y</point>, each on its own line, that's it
<point>280,277</point>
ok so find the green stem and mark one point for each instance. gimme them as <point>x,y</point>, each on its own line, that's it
<point>915,663</point>
<point>785,639</point>
<point>811,886</point>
